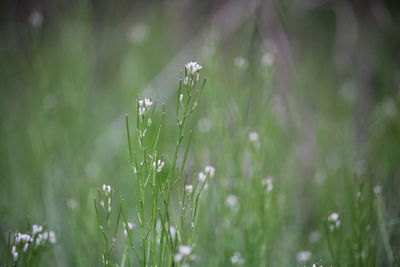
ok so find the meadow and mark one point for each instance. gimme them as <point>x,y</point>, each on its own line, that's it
<point>234,137</point>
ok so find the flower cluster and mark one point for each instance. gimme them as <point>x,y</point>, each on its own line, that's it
<point>144,105</point>
<point>130,226</point>
<point>192,73</point>
<point>237,259</point>
<point>184,252</point>
<point>334,221</point>
<point>34,240</point>
<point>158,165</point>
<point>108,192</point>
<point>209,171</point>
<point>268,183</point>
<point>303,256</point>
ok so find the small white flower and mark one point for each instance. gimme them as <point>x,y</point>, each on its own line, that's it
<point>232,202</point>
<point>210,171</point>
<point>180,97</point>
<point>202,176</point>
<point>131,225</point>
<point>72,203</point>
<point>158,165</point>
<point>144,105</point>
<point>254,137</point>
<point>267,59</point>
<point>237,259</point>
<point>178,257</point>
<point>14,253</point>
<point>377,189</point>
<point>52,237</point>
<point>107,190</point>
<point>241,62</point>
<point>268,183</point>
<point>334,221</point>
<point>192,67</point>
<point>185,250</point>
<point>36,229</point>
<point>149,122</point>
<point>303,256</point>
<point>192,73</point>
<point>36,18</point>
<point>314,237</point>
<point>26,246</point>
<point>189,188</point>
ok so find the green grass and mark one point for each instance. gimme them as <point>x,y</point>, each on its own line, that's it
<point>65,89</point>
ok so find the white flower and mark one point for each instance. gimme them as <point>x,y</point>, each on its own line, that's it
<point>52,237</point>
<point>189,188</point>
<point>334,221</point>
<point>303,256</point>
<point>172,231</point>
<point>202,176</point>
<point>268,183</point>
<point>22,238</point>
<point>377,189</point>
<point>192,73</point>
<point>237,258</point>
<point>107,190</point>
<point>232,202</point>
<point>192,67</point>
<point>254,137</point>
<point>72,203</point>
<point>144,105</point>
<point>185,250</point>
<point>210,171</point>
<point>178,257</point>
<point>26,246</point>
<point>204,125</point>
<point>180,97</point>
<point>36,229</point>
<point>131,225</point>
<point>14,253</point>
<point>241,62</point>
<point>267,59</point>
<point>158,165</point>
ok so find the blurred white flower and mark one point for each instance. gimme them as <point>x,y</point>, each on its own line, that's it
<point>189,188</point>
<point>377,189</point>
<point>241,62</point>
<point>36,229</point>
<point>268,183</point>
<point>254,137</point>
<point>185,250</point>
<point>52,237</point>
<point>267,59</point>
<point>204,125</point>
<point>138,33</point>
<point>131,225</point>
<point>72,203</point>
<point>303,256</point>
<point>202,176</point>
<point>314,237</point>
<point>232,202</point>
<point>237,259</point>
<point>36,18</point>
<point>14,253</point>
<point>334,221</point>
<point>209,170</point>
<point>107,190</point>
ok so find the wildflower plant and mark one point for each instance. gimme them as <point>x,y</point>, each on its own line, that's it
<point>160,236</point>
<point>26,249</point>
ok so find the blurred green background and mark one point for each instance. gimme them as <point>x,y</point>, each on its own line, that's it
<point>318,80</point>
